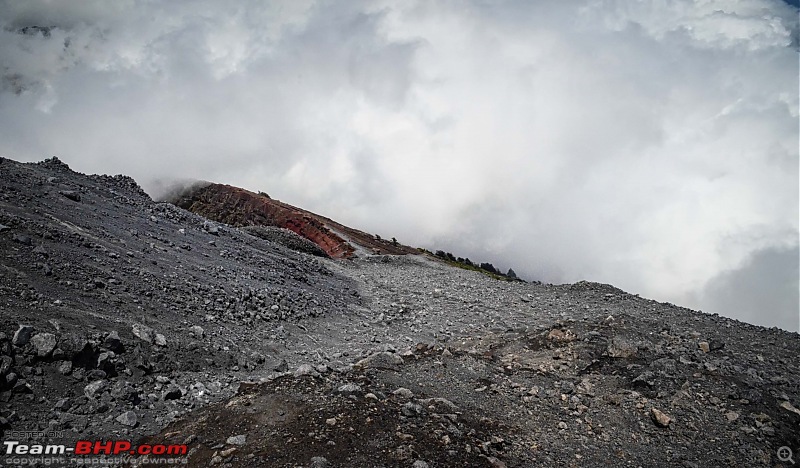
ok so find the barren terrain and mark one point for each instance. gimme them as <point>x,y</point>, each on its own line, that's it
<point>121,317</point>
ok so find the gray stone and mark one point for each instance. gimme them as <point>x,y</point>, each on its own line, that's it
<point>382,360</point>
<point>95,388</point>
<point>240,439</point>
<point>403,393</point>
<point>44,344</point>
<point>305,369</point>
<point>197,331</point>
<point>419,464</point>
<point>319,462</point>
<point>73,344</point>
<point>65,367</point>
<point>411,409</point>
<point>143,332</point>
<point>4,228</point>
<point>128,418</point>
<point>621,348</point>
<point>22,335</point>
<point>211,228</point>
<point>349,389</point>
<point>63,404</point>
<point>160,340</point>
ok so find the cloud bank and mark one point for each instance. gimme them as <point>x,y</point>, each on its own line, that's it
<point>651,145</point>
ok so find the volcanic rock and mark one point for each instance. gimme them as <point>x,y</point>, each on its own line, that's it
<point>44,344</point>
<point>22,335</point>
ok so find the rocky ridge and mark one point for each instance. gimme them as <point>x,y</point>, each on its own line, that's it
<point>240,207</point>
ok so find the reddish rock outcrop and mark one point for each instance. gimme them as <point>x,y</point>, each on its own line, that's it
<point>240,207</point>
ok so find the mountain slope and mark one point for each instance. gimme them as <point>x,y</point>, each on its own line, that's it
<point>126,318</point>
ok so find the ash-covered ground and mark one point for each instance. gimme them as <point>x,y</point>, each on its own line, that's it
<point>123,318</point>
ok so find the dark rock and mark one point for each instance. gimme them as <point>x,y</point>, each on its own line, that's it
<point>22,335</point>
<point>96,374</point>
<point>22,239</point>
<point>22,386</point>
<point>282,366</point>
<point>75,345</point>
<point>114,343</point>
<point>645,379</point>
<point>71,194</point>
<point>123,391</point>
<point>105,363</point>
<point>715,345</point>
<point>173,393</point>
<point>5,365</point>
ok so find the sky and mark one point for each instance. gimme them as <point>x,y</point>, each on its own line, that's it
<point>652,145</point>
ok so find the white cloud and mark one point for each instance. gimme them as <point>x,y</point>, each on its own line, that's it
<point>652,145</point>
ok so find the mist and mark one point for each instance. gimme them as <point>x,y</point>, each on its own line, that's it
<point>649,145</point>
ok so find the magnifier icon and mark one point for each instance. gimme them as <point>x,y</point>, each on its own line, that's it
<point>785,454</point>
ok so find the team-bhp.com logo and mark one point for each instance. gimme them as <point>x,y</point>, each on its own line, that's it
<point>88,448</point>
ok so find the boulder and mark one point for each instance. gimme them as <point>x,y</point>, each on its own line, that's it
<point>44,344</point>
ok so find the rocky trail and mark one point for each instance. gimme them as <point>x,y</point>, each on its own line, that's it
<point>121,317</point>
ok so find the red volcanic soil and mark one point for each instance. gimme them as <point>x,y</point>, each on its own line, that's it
<point>240,207</point>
